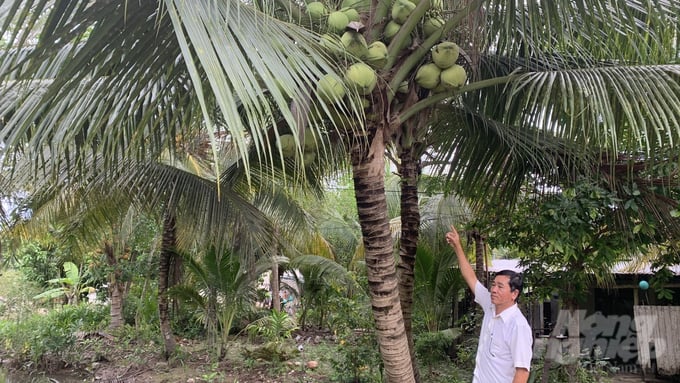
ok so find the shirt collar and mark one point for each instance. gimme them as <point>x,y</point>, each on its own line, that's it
<point>507,313</point>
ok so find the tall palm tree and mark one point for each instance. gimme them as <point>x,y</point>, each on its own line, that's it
<point>123,67</point>
<point>168,254</point>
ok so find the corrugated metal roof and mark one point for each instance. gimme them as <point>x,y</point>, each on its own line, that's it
<point>497,265</point>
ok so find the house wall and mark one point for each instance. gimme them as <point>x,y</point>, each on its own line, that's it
<point>609,320</point>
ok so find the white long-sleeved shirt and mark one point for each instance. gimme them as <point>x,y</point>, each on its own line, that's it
<point>505,341</point>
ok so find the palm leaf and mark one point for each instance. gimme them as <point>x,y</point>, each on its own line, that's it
<point>148,64</point>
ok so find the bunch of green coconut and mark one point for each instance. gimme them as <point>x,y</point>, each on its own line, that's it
<point>442,73</point>
<point>343,38</point>
<point>286,144</point>
<point>402,9</point>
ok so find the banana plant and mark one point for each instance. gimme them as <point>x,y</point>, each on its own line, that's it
<point>70,286</point>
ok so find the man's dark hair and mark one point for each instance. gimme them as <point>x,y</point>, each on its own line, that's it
<point>515,282</point>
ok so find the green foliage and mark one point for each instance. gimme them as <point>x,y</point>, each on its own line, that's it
<point>71,286</point>
<point>567,240</point>
<point>217,289</point>
<point>437,286</point>
<point>323,281</point>
<point>18,295</point>
<point>357,358</point>
<point>434,346</point>
<point>185,323</point>
<point>214,375</point>
<point>659,282</point>
<point>54,334</point>
<point>346,313</point>
<point>137,337</point>
<point>335,218</point>
<point>275,327</point>
<point>586,371</point>
<point>141,305</point>
<point>39,264</point>
<point>466,351</point>
<point>663,275</point>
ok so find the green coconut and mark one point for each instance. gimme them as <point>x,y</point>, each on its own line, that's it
<point>453,77</point>
<point>352,14</point>
<point>308,158</point>
<point>337,22</point>
<point>445,54</point>
<point>355,44</point>
<point>432,25</point>
<point>362,77</point>
<point>427,76</point>
<point>401,10</point>
<point>376,55</point>
<point>332,42</point>
<point>330,88</point>
<point>365,103</point>
<point>317,10</point>
<point>310,141</point>
<point>403,87</point>
<point>391,29</point>
<point>286,144</point>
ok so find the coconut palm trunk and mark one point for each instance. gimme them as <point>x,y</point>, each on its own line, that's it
<point>368,166</point>
<point>480,248</point>
<point>410,231</point>
<point>167,253</point>
<point>116,287</point>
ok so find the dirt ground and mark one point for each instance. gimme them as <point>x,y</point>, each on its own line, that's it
<point>101,360</point>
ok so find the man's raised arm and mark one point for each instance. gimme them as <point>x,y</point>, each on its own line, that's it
<point>453,239</point>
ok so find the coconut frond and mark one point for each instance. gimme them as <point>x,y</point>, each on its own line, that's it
<point>324,268</point>
<point>102,77</point>
<point>484,158</point>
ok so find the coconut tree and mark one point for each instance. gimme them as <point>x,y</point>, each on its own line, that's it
<point>218,288</point>
<point>122,67</point>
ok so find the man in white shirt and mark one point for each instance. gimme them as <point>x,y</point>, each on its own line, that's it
<point>505,341</point>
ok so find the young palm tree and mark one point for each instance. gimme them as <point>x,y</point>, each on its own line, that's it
<point>104,75</point>
<point>218,288</point>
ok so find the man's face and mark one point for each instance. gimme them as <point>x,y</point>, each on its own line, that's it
<point>501,296</point>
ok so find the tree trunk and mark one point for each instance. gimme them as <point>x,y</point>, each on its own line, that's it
<point>274,284</point>
<point>480,248</point>
<point>368,166</point>
<point>115,287</point>
<point>166,256</point>
<point>409,170</point>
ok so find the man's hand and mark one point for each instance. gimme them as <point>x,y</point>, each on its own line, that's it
<point>521,375</point>
<point>452,237</point>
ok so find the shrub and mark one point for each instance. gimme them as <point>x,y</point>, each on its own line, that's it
<point>39,264</point>
<point>434,346</point>
<point>582,372</point>
<point>41,337</point>
<point>18,295</point>
<point>357,358</point>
